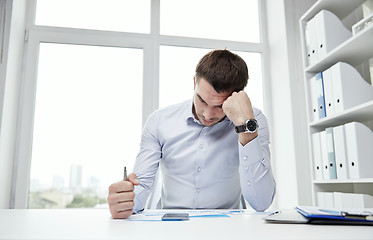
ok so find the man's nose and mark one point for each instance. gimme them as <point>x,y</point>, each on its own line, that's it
<point>209,113</point>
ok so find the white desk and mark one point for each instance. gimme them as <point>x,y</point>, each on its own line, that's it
<point>98,224</point>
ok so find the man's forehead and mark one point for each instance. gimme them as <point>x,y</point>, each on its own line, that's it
<point>209,95</point>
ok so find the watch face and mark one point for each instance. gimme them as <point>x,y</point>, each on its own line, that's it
<point>251,125</point>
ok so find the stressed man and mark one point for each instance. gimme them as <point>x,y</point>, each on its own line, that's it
<point>211,149</point>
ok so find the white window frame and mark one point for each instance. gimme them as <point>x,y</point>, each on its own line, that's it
<point>150,43</point>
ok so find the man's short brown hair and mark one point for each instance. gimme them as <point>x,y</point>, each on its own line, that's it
<point>224,70</point>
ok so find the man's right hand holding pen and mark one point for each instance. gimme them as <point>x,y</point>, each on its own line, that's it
<point>121,196</point>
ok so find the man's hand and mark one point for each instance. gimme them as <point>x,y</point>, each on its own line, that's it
<point>238,109</point>
<point>121,197</point>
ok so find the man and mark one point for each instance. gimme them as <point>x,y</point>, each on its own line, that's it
<point>210,150</point>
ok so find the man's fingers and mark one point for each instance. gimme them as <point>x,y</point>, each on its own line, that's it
<point>133,179</point>
<point>122,186</point>
<point>121,215</point>
<point>120,197</point>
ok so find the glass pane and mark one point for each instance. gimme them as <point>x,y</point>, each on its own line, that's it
<point>236,20</point>
<point>111,15</point>
<point>177,68</point>
<point>87,123</point>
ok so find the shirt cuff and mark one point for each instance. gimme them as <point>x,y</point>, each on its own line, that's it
<point>251,153</point>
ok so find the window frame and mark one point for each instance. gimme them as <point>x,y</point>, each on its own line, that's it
<point>150,43</point>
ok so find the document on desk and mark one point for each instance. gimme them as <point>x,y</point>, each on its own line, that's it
<point>315,215</point>
<point>157,215</point>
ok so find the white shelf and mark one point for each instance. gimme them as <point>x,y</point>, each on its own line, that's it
<point>340,181</point>
<point>361,113</point>
<point>354,51</point>
<point>341,8</point>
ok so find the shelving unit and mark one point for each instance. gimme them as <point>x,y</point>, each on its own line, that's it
<point>354,51</point>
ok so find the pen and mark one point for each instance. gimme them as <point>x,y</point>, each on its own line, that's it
<point>125,174</point>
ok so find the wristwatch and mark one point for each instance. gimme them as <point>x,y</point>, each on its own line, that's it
<point>249,126</point>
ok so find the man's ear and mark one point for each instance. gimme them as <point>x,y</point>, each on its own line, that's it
<point>194,80</point>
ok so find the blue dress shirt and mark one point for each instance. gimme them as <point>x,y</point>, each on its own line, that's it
<point>203,167</point>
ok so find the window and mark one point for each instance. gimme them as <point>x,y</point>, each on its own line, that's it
<point>235,20</point>
<point>84,128</point>
<point>111,15</point>
<point>92,79</point>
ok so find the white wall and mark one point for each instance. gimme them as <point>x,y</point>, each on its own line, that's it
<point>288,117</point>
<point>11,98</point>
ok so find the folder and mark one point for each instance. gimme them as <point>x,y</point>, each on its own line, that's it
<point>338,202</point>
<point>340,152</point>
<point>311,36</point>
<point>359,150</point>
<point>324,156</point>
<point>317,158</point>
<point>330,32</point>
<point>362,201</point>
<point>320,95</point>
<point>331,156</point>
<point>320,199</point>
<point>328,92</point>
<point>316,215</point>
<point>329,199</point>
<point>349,88</point>
<point>314,99</point>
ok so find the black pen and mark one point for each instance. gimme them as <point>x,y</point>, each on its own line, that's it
<point>125,174</point>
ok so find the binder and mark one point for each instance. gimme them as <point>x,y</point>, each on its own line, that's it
<point>349,88</point>
<point>312,41</point>
<point>347,200</point>
<point>330,32</point>
<point>320,199</point>
<point>359,150</point>
<point>329,199</point>
<point>314,99</point>
<point>317,162</point>
<point>331,156</point>
<point>362,201</point>
<point>328,92</point>
<point>324,156</point>
<point>320,95</point>
<point>316,215</point>
<point>338,202</point>
<point>340,152</point>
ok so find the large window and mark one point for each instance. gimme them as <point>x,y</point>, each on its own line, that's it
<point>87,98</point>
<point>91,79</point>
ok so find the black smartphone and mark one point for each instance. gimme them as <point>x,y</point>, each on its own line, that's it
<point>175,217</point>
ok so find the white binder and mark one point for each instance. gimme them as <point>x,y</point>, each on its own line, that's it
<point>329,199</point>
<point>313,99</point>
<point>324,156</point>
<point>330,32</point>
<point>349,88</point>
<point>338,202</point>
<point>362,201</point>
<point>317,162</point>
<point>340,151</point>
<point>328,92</point>
<point>320,199</point>
<point>359,141</point>
<point>312,45</point>
<point>331,155</point>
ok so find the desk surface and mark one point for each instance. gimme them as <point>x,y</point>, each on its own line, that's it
<point>98,224</point>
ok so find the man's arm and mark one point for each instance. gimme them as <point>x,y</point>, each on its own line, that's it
<point>147,162</point>
<point>257,182</point>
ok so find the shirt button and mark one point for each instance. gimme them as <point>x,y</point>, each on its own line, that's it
<point>245,158</point>
<point>248,183</point>
<point>199,169</point>
<point>201,146</point>
<point>198,190</point>
<point>247,168</point>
